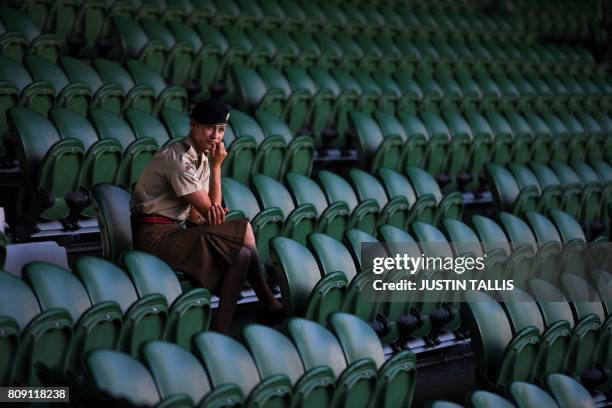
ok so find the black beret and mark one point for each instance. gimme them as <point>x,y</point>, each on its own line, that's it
<point>210,112</point>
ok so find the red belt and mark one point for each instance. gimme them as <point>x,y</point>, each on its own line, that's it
<point>153,219</point>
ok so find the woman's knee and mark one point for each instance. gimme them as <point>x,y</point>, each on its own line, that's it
<point>244,255</point>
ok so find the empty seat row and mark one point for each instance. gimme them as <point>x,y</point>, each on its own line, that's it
<point>560,391</point>
<point>580,189</point>
<point>19,36</point>
<point>79,86</point>
<point>334,204</point>
<point>308,366</point>
<point>541,330</point>
<point>54,317</point>
<point>66,151</point>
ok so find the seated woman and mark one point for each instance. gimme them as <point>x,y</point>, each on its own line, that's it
<point>183,183</point>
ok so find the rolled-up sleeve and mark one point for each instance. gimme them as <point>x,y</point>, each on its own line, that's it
<point>183,178</point>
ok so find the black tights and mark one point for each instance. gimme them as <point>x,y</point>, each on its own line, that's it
<point>232,282</point>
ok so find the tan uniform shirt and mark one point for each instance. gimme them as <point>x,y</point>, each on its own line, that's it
<point>174,171</point>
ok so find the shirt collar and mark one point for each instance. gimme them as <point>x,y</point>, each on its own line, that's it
<point>191,151</point>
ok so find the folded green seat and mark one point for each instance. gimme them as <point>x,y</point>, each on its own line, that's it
<point>216,350</point>
<point>144,319</point>
<point>305,289</point>
<point>29,333</point>
<point>189,311</point>
<point>356,381</point>
<point>502,357</point>
<point>122,377</point>
<point>95,325</point>
<point>178,373</point>
<point>274,354</point>
<point>333,219</point>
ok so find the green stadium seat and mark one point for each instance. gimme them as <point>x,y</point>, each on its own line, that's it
<point>133,42</point>
<point>145,125</point>
<point>179,56</point>
<point>484,399</point>
<point>333,256</point>
<point>502,357</point>
<point>141,97</point>
<point>274,355</point>
<point>171,97</point>
<point>374,149</point>
<point>95,326</point>
<point>270,150</point>
<point>137,152</point>
<point>74,96</point>
<point>394,211</point>
<point>508,195</point>
<point>572,188</point>
<point>295,109</point>
<point>112,205</point>
<point>355,382</point>
<point>503,137</point>
<point>189,312</point>
<point>320,105</point>
<point>448,206</point>
<point>216,350</point>
<point>418,150</point>
<point>305,291</point>
<point>568,392</point>
<point>364,215</point>
<point>584,335</point>
<point>523,312</point>
<point>266,223</point>
<point>177,123</point>
<point>530,395</point>
<point>253,93</point>
<point>124,377</point>
<point>592,192</point>
<point>31,336</point>
<point>102,157</point>
<point>420,209</point>
<point>143,319</point>
<point>551,195</point>
<point>396,376</point>
<point>299,221</point>
<point>332,219</point>
<point>300,148</point>
<point>44,45</point>
<point>18,88</point>
<point>464,241</point>
<point>49,163</point>
<point>576,148</point>
<point>108,96</point>
<point>176,371</point>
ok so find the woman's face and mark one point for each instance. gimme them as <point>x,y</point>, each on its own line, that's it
<point>205,136</point>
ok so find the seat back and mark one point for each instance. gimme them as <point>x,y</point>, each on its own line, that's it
<point>331,255</point>
<point>491,235</point>
<point>530,395</point>
<point>424,183</point>
<point>273,125</point>
<point>273,353</point>
<point>78,71</point>
<point>567,225</point>
<point>17,300</point>
<point>299,273</point>
<point>357,338</point>
<point>145,125</point>
<point>367,187</point>
<point>568,392</point>
<point>217,351</point>
<point>109,125</point>
<point>237,196</point>
<point>306,190</point>
<point>105,281</point>
<point>337,189</point>
<point>244,125</point>
<point>122,376</point>
<point>519,232</point>
<point>463,238</point>
<point>317,345</point>
<point>175,370</point>
<point>112,205</point>
<point>397,185</point>
<point>271,193</point>
<point>70,124</point>
<point>56,287</point>
<point>505,187</point>
<point>111,72</point>
<point>542,227</point>
<point>552,302</point>
<point>151,275</point>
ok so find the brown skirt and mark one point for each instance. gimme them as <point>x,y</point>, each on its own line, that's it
<point>203,252</point>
